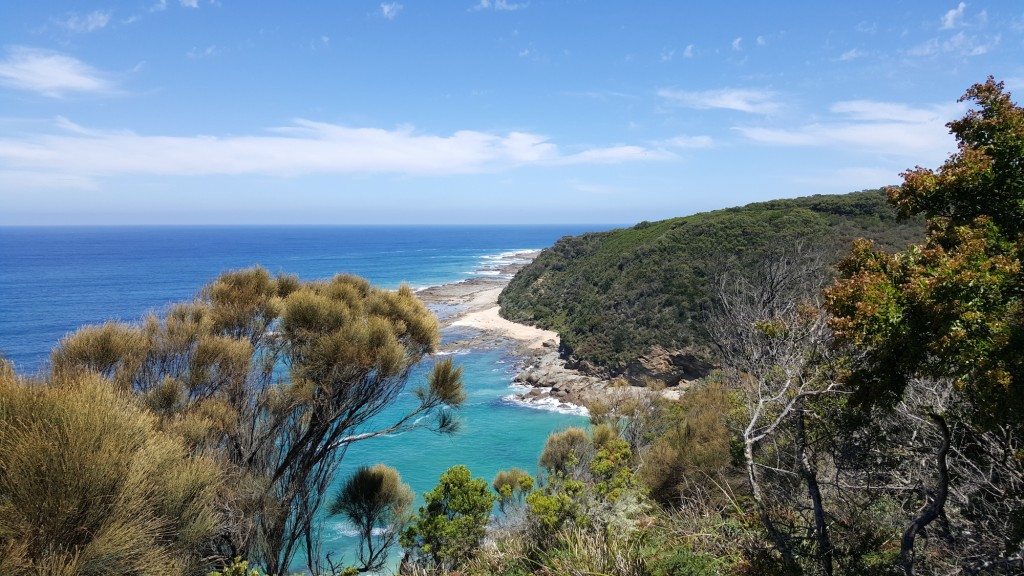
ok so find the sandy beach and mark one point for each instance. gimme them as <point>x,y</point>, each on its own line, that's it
<point>473,303</point>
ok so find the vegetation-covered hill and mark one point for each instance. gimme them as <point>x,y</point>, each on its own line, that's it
<point>614,295</point>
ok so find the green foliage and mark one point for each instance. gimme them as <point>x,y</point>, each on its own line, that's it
<point>611,469</point>
<point>952,307</point>
<point>90,486</point>
<point>691,459</point>
<point>557,505</point>
<point>238,567</point>
<point>512,486</point>
<point>377,503</point>
<point>683,562</point>
<point>590,483</point>
<point>449,528</point>
<point>613,295</point>
<point>939,327</point>
<point>210,369</point>
<point>563,450</point>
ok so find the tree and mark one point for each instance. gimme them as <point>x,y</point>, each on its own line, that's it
<point>450,526</point>
<point>376,501</point>
<point>274,378</point>
<point>90,486</point>
<point>772,337</point>
<point>952,310</point>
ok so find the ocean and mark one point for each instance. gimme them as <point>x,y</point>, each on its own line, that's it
<point>55,279</point>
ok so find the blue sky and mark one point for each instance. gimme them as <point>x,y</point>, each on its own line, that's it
<point>474,111</point>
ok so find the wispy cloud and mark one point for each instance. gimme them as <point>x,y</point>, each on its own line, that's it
<point>866,27</point>
<point>884,128</point>
<point>737,44</point>
<point>321,43</point>
<point>390,9</point>
<point>954,17</point>
<point>851,54</point>
<point>688,53</point>
<point>690,142</point>
<point>613,155</point>
<point>190,3</point>
<point>50,73</point>
<point>303,147</point>
<point>200,53</point>
<point>959,44</point>
<point>743,100</point>
<point>91,22</point>
<point>503,5</point>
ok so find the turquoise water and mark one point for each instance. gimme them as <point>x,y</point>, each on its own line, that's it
<point>56,279</point>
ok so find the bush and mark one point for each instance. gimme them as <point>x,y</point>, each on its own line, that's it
<point>89,486</point>
<point>450,527</point>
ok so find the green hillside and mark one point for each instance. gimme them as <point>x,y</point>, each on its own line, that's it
<point>613,295</point>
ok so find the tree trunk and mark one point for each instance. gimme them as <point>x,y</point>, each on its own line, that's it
<point>824,543</point>
<point>934,508</point>
<point>777,538</point>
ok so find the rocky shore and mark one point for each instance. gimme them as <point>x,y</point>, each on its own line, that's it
<point>473,304</point>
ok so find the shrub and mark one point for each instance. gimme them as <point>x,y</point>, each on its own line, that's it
<point>89,486</point>
<point>450,526</point>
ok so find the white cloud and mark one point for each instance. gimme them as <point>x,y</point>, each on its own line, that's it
<point>614,155</point>
<point>502,5</point>
<point>969,45</point>
<point>390,9</point>
<point>959,44</point>
<point>761,41</point>
<point>688,53</point>
<point>303,147</point>
<point>208,52</point>
<point>752,101</point>
<point>852,54</point>
<point>190,3</point>
<point>882,128</point>
<point>50,73</point>
<point>690,142</point>
<point>91,22</point>
<point>873,111</point>
<point>929,48</point>
<point>667,55</point>
<point>866,27</point>
<point>737,44</point>
<point>953,18</point>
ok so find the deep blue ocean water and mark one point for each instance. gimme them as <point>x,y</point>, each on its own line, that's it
<point>53,280</point>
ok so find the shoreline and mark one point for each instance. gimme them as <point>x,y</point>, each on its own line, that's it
<point>471,307</point>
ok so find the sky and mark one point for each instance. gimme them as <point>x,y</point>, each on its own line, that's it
<point>475,111</point>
